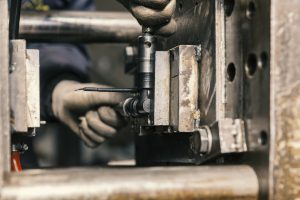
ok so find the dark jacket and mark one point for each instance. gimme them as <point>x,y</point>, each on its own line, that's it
<point>59,61</point>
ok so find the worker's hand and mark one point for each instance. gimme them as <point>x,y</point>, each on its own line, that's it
<point>89,114</point>
<point>157,14</point>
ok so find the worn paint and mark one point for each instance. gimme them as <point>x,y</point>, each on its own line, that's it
<point>285,100</point>
<point>161,183</point>
<point>287,161</point>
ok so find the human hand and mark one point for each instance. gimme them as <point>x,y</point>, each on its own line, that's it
<point>90,115</point>
<point>156,14</point>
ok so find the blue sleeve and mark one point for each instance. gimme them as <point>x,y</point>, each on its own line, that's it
<point>43,5</point>
<point>59,61</point>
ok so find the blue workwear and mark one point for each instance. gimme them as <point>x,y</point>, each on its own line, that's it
<point>59,61</point>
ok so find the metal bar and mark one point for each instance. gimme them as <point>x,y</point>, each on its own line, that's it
<point>4,91</point>
<point>79,27</point>
<point>95,89</point>
<point>226,182</point>
<point>285,100</point>
<point>18,96</point>
<point>14,22</point>
<point>162,88</point>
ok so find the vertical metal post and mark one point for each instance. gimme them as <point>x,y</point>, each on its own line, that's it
<point>285,100</point>
<point>4,91</point>
<point>14,22</point>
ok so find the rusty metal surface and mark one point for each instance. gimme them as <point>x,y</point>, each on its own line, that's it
<point>232,38</point>
<point>18,90</point>
<point>4,91</point>
<point>196,26</point>
<point>33,88</point>
<point>79,27</point>
<point>162,89</point>
<point>232,135</point>
<point>173,183</point>
<point>184,88</point>
<point>247,96</point>
<point>285,100</point>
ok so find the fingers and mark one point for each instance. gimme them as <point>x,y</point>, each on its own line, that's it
<point>156,14</point>
<point>93,131</point>
<point>167,29</point>
<point>99,126</point>
<point>110,117</point>
<point>155,4</point>
<point>147,16</point>
<point>90,133</point>
<point>87,141</point>
<point>103,98</point>
<point>83,100</point>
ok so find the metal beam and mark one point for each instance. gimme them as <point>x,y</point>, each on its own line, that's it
<point>285,100</point>
<point>188,183</point>
<point>78,27</point>
<point>4,97</point>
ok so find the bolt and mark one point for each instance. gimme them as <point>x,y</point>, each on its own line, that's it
<point>198,52</point>
<point>201,141</point>
<point>20,147</point>
<point>12,67</point>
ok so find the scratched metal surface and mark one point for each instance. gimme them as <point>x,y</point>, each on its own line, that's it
<point>285,100</point>
<point>196,25</point>
<point>247,35</point>
<point>247,32</point>
<point>4,91</point>
<point>124,183</point>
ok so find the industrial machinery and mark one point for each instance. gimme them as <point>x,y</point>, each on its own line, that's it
<point>221,95</point>
<point>187,107</point>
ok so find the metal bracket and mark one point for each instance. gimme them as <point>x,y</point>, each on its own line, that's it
<point>232,135</point>
<point>25,90</point>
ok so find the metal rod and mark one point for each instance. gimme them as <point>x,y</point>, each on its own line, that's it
<point>14,22</point>
<point>79,27</point>
<point>94,89</point>
<point>5,127</point>
<point>186,183</point>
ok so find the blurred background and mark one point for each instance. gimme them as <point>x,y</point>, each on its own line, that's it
<point>56,146</point>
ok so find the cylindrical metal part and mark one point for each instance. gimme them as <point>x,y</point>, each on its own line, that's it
<point>136,106</point>
<point>146,60</point>
<point>186,183</point>
<point>121,90</point>
<point>79,27</point>
<point>130,107</point>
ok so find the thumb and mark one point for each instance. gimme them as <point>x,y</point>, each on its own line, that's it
<point>85,99</point>
<point>104,98</point>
